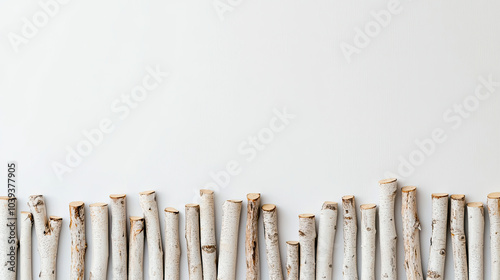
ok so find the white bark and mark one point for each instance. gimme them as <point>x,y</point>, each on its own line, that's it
<point>475,213</point>
<point>136,249</point>
<point>307,240</point>
<point>437,254</point>
<point>411,234</point>
<point>25,246</point>
<point>368,233</point>
<point>252,237</point>
<point>118,206</point>
<point>47,232</point>
<point>458,240</point>
<point>172,244</point>
<point>153,235</point>
<point>78,239</point>
<point>8,238</point>
<point>387,226</point>
<point>270,218</point>
<point>494,214</point>
<point>231,211</point>
<point>292,260</point>
<point>207,230</point>
<point>326,238</point>
<point>350,265</point>
<point>193,245</point>
<point>100,242</point>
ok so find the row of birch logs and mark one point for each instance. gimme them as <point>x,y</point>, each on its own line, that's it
<point>309,258</point>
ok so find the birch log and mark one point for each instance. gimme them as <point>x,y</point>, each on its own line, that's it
<point>100,243</point>
<point>475,213</point>
<point>458,240</point>
<point>172,244</point>
<point>25,246</point>
<point>368,233</point>
<point>350,270</point>
<point>252,236</point>
<point>437,254</point>
<point>8,238</point>
<point>387,226</point>
<point>47,232</point>
<point>78,240</point>
<point>153,236</point>
<point>231,211</point>
<point>193,241</point>
<point>270,218</point>
<point>136,249</point>
<point>118,206</point>
<point>307,240</point>
<point>494,214</point>
<point>207,230</point>
<point>292,260</point>
<point>411,234</point>
<point>326,238</point>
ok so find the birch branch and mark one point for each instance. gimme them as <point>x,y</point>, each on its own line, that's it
<point>270,218</point>
<point>25,246</point>
<point>193,241</point>
<point>118,206</point>
<point>350,268</point>
<point>458,240</point>
<point>411,234</point>
<point>150,208</point>
<point>368,233</point>
<point>494,214</point>
<point>172,244</point>
<point>100,242</point>
<point>252,236</point>
<point>307,240</point>
<point>8,238</point>
<point>78,241</point>
<point>208,240</point>
<point>326,238</point>
<point>475,213</point>
<point>231,211</point>
<point>136,249</point>
<point>292,260</point>
<point>437,254</point>
<point>388,235</point>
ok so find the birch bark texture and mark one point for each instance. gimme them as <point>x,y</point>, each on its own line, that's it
<point>231,211</point>
<point>193,241</point>
<point>368,233</point>
<point>350,265</point>
<point>172,244</point>
<point>494,214</point>
<point>411,234</point>
<point>326,238</point>
<point>208,239</point>
<point>458,240</point>
<point>388,236</point>
<point>475,214</point>
<point>8,238</point>
<point>252,237</point>
<point>136,249</point>
<point>270,218</point>
<point>437,252</point>
<point>78,239</point>
<point>100,241</point>
<point>25,263</point>
<point>47,233</point>
<point>118,206</point>
<point>292,260</point>
<point>307,240</point>
<point>149,207</point>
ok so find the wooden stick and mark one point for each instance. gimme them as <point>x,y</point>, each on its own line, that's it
<point>172,244</point>
<point>100,242</point>
<point>411,234</point>
<point>231,211</point>
<point>193,241</point>
<point>458,240</point>
<point>47,232</point>
<point>307,240</point>
<point>270,218</point>
<point>326,239</point>
<point>149,206</point>
<point>118,206</point>
<point>494,213</point>
<point>207,230</point>
<point>292,260</point>
<point>25,246</point>
<point>388,235</point>
<point>437,254</point>
<point>8,238</point>
<point>350,269</point>
<point>252,236</point>
<point>78,241</point>
<point>475,213</point>
<point>368,233</point>
<point>136,249</point>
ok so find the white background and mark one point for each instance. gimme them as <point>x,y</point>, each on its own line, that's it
<point>353,121</point>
